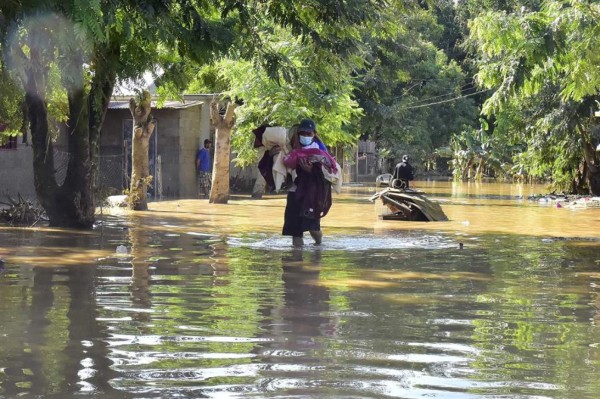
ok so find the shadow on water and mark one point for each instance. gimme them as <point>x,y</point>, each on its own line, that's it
<point>189,310</point>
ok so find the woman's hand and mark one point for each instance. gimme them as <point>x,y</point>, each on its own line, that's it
<point>305,165</point>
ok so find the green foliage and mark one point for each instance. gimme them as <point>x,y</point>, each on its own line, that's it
<point>414,98</point>
<point>543,63</point>
<point>11,101</point>
<point>308,94</point>
<point>287,79</point>
<point>10,104</point>
<point>393,71</point>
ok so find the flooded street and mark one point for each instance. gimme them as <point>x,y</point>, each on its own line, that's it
<point>211,301</point>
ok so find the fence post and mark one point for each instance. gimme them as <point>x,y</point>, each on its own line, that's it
<point>158,191</point>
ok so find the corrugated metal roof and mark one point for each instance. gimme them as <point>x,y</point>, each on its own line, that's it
<point>166,104</point>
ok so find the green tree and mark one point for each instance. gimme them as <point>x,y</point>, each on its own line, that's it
<point>83,42</point>
<point>287,78</point>
<point>95,42</point>
<point>313,83</point>
<point>413,96</point>
<point>10,104</point>
<point>545,62</point>
<point>454,17</point>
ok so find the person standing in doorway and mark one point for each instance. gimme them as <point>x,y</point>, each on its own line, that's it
<point>204,169</point>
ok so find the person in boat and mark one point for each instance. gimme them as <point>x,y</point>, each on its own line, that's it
<point>403,174</point>
<point>309,198</point>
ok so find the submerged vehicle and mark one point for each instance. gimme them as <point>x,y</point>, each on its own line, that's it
<point>405,203</point>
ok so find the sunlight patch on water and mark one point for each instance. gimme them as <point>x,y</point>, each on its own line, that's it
<point>346,242</point>
<point>153,340</point>
<point>428,358</point>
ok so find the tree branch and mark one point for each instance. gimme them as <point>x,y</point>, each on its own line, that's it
<point>215,118</point>
<point>229,119</point>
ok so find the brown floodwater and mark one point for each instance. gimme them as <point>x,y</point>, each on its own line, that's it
<point>210,301</point>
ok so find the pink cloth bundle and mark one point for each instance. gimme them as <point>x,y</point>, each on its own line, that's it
<point>313,155</point>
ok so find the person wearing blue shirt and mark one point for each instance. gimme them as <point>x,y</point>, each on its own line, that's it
<point>204,169</point>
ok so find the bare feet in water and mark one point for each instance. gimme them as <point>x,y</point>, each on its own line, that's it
<point>317,236</point>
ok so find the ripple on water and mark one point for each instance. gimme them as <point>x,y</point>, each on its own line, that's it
<point>347,242</point>
<point>310,381</point>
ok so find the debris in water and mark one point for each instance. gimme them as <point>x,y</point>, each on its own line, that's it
<point>410,205</point>
<point>122,250</point>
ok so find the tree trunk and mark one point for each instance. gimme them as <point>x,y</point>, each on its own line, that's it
<point>466,173</point>
<point>219,193</point>
<point>44,174</point>
<point>592,161</point>
<point>101,88</point>
<point>77,192</point>
<point>579,182</point>
<point>143,126</point>
<point>72,204</point>
<point>479,171</point>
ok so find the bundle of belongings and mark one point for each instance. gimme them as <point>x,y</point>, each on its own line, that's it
<point>313,191</point>
<point>280,160</point>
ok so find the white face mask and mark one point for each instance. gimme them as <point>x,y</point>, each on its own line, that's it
<point>304,140</point>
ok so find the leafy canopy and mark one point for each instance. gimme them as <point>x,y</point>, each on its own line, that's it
<point>545,64</point>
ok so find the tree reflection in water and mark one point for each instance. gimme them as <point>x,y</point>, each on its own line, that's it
<point>188,314</point>
<point>140,275</point>
<point>62,348</point>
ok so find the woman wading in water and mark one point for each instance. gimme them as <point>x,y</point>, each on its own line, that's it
<point>309,198</point>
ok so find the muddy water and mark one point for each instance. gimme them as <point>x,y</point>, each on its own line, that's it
<point>209,301</point>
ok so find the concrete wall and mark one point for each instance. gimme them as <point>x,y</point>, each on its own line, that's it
<point>180,133</point>
<point>16,173</point>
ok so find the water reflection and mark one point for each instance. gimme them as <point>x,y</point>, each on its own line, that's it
<point>140,275</point>
<point>52,341</point>
<point>380,310</point>
<point>86,364</point>
<point>306,302</point>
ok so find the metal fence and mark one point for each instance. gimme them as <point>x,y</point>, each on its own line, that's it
<point>112,177</point>
<point>112,174</point>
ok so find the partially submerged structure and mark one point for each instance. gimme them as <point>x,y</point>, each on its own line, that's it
<point>181,128</point>
<point>409,205</point>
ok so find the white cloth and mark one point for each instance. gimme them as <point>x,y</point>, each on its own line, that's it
<point>277,136</point>
<point>280,171</point>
